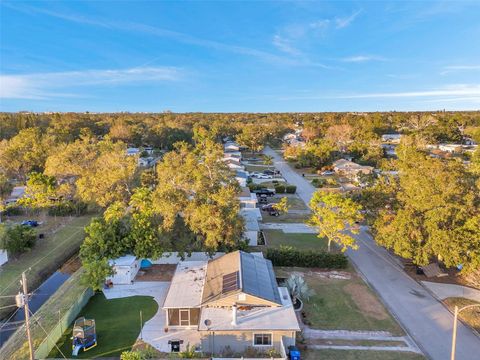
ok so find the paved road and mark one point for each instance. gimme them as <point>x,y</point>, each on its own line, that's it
<point>427,321</point>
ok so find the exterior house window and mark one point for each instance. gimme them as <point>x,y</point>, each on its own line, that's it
<point>262,339</point>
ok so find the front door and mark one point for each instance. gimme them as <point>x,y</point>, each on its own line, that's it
<point>185,317</point>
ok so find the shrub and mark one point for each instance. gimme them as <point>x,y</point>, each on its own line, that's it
<point>253,186</point>
<point>288,256</point>
<point>12,210</point>
<point>291,189</point>
<point>319,182</point>
<point>280,189</point>
<point>67,208</point>
<point>17,239</point>
<point>131,355</point>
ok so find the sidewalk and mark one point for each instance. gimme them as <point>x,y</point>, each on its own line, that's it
<point>443,291</point>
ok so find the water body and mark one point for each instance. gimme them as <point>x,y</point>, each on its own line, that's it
<point>39,297</point>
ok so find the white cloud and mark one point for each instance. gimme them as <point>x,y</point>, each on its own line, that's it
<point>362,58</point>
<point>285,45</point>
<point>455,68</point>
<point>163,33</point>
<point>450,90</point>
<point>453,92</point>
<point>343,22</point>
<point>46,85</point>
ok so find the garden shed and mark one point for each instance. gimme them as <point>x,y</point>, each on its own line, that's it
<point>125,269</point>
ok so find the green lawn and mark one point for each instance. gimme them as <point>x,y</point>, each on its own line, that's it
<point>294,202</point>
<point>60,243</point>
<point>285,218</point>
<point>117,324</point>
<point>343,304</point>
<point>277,238</point>
<point>358,355</point>
<point>258,167</point>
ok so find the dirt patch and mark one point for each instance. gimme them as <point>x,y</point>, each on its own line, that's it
<point>71,265</point>
<point>366,301</point>
<point>160,272</point>
<point>340,275</point>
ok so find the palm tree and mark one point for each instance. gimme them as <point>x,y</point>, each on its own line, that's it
<point>298,288</point>
<point>267,160</point>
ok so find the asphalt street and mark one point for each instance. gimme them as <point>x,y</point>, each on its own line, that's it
<point>426,320</point>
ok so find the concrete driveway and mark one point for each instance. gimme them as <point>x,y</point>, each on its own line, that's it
<point>427,321</point>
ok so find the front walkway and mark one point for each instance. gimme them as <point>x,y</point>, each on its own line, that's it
<point>443,291</point>
<point>153,331</point>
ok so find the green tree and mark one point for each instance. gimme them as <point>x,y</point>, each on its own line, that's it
<point>195,184</point>
<point>145,226</point>
<point>252,136</point>
<point>282,206</point>
<point>102,171</point>
<point>95,273</point>
<point>5,190</point>
<point>25,152</point>
<point>267,160</point>
<point>334,215</point>
<point>17,239</point>
<point>40,192</point>
<point>436,212</point>
<point>106,236</point>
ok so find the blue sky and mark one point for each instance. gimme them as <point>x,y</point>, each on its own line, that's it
<point>227,56</point>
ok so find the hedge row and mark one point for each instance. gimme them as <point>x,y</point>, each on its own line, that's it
<point>282,189</point>
<point>310,259</point>
<point>253,186</point>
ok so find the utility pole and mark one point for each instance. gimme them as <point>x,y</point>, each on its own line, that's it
<point>27,316</point>
<point>454,333</point>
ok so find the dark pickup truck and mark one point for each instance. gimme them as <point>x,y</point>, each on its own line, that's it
<point>264,192</point>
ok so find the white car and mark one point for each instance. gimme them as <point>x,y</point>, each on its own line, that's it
<point>255,174</point>
<point>263,176</point>
<point>328,172</point>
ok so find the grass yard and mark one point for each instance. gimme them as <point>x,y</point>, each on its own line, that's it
<point>63,236</point>
<point>469,316</point>
<point>343,304</point>
<point>329,354</point>
<point>277,238</point>
<point>294,202</point>
<point>284,218</point>
<point>258,168</point>
<point>117,324</point>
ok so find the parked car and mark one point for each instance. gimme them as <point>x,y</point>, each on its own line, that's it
<point>255,174</point>
<point>327,172</point>
<point>271,172</point>
<point>267,207</point>
<point>263,192</point>
<point>264,176</point>
<point>31,223</point>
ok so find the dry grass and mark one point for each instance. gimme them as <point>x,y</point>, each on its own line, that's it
<point>471,316</point>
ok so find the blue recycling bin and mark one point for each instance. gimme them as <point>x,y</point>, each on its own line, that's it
<point>293,353</point>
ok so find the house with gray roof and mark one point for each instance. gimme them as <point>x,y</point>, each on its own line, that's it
<point>230,302</point>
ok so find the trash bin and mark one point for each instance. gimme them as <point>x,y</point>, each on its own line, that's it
<point>293,353</point>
